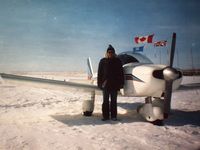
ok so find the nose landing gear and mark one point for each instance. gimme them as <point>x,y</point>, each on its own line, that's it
<point>152,111</point>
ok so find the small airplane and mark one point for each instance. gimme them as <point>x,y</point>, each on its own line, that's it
<point>155,82</point>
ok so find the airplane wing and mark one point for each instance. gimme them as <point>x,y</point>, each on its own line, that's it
<point>46,83</point>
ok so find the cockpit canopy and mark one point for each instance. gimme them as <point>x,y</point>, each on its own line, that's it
<point>131,57</point>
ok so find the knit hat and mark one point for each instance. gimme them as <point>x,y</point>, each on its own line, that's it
<point>110,48</point>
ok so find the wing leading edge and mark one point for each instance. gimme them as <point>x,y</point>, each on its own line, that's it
<point>85,87</point>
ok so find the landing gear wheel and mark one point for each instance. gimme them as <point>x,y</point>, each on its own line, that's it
<point>88,105</point>
<point>158,122</point>
<point>87,113</point>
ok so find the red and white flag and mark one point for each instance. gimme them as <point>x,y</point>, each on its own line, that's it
<point>160,43</point>
<point>144,39</point>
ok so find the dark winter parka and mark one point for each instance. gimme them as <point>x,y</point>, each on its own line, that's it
<point>110,74</point>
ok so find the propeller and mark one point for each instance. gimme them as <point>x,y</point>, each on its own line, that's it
<point>170,74</point>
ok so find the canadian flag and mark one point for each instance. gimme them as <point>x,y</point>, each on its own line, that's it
<point>160,43</point>
<point>144,39</point>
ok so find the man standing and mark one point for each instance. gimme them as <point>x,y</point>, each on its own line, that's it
<point>110,80</point>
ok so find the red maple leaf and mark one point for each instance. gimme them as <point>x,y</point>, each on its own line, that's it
<point>142,39</point>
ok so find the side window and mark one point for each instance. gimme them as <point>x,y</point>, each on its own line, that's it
<point>125,59</point>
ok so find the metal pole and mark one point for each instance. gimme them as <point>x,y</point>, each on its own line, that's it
<point>191,53</point>
<point>160,56</point>
<point>177,58</point>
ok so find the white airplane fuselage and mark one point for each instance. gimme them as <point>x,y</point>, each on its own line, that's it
<point>139,80</point>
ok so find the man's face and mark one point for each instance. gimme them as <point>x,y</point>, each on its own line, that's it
<point>110,54</point>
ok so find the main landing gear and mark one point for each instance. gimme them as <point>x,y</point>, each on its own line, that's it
<point>88,105</point>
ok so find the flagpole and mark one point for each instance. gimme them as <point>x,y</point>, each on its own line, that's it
<point>177,58</point>
<point>160,56</point>
<point>191,53</point>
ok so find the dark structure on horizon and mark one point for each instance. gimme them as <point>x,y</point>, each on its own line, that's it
<point>191,72</point>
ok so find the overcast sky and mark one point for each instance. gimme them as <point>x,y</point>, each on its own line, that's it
<point>58,35</point>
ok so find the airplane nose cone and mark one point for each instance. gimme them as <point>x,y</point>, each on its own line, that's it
<point>170,74</point>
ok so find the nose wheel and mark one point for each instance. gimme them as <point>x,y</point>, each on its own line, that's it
<point>152,111</point>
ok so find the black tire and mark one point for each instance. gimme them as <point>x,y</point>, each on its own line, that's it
<point>87,113</point>
<point>158,122</point>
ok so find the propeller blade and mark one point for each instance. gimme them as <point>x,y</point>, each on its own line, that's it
<point>167,98</point>
<point>169,75</point>
<point>172,50</point>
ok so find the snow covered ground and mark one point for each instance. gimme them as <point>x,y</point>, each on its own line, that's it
<point>40,119</point>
